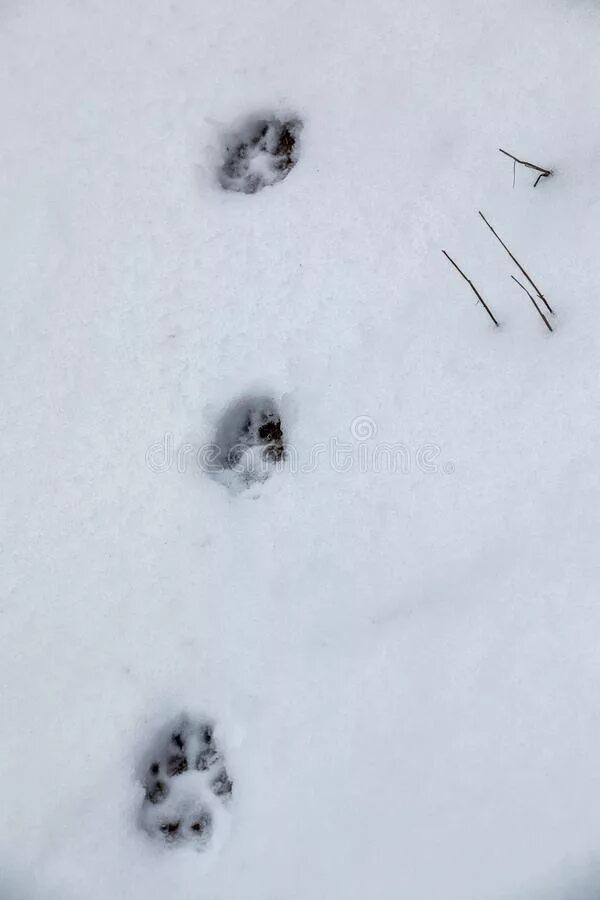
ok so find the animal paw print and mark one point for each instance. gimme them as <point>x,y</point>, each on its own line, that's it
<point>261,153</point>
<point>187,786</point>
<point>250,442</point>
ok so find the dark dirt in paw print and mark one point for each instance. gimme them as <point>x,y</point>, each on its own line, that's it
<point>250,441</point>
<point>187,787</point>
<point>260,153</point>
<point>222,784</point>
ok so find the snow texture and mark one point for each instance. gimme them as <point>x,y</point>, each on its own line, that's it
<point>402,660</point>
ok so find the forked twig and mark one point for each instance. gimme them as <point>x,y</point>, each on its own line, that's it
<point>544,173</point>
<point>532,298</point>
<point>517,263</point>
<point>474,289</point>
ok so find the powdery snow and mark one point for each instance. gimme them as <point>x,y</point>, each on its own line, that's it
<point>403,660</point>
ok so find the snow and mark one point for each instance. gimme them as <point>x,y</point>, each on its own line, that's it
<point>404,665</point>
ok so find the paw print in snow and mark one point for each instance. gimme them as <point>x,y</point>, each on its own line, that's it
<point>250,442</point>
<point>262,153</point>
<point>187,787</point>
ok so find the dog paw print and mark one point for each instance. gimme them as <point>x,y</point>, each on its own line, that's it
<point>249,443</point>
<point>262,153</point>
<point>187,786</point>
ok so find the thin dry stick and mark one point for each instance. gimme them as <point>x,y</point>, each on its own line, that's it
<point>474,289</point>
<point>532,298</point>
<point>516,261</point>
<point>544,173</point>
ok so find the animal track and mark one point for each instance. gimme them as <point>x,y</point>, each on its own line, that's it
<point>187,786</point>
<point>250,441</point>
<point>261,153</point>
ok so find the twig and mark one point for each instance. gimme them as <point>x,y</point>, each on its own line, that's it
<point>517,263</point>
<point>474,289</point>
<point>544,173</point>
<point>532,298</point>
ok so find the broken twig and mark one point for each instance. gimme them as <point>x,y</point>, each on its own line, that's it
<point>532,298</point>
<point>517,263</point>
<point>474,289</point>
<point>544,173</point>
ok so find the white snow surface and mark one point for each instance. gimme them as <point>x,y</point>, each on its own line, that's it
<point>404,666</point>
